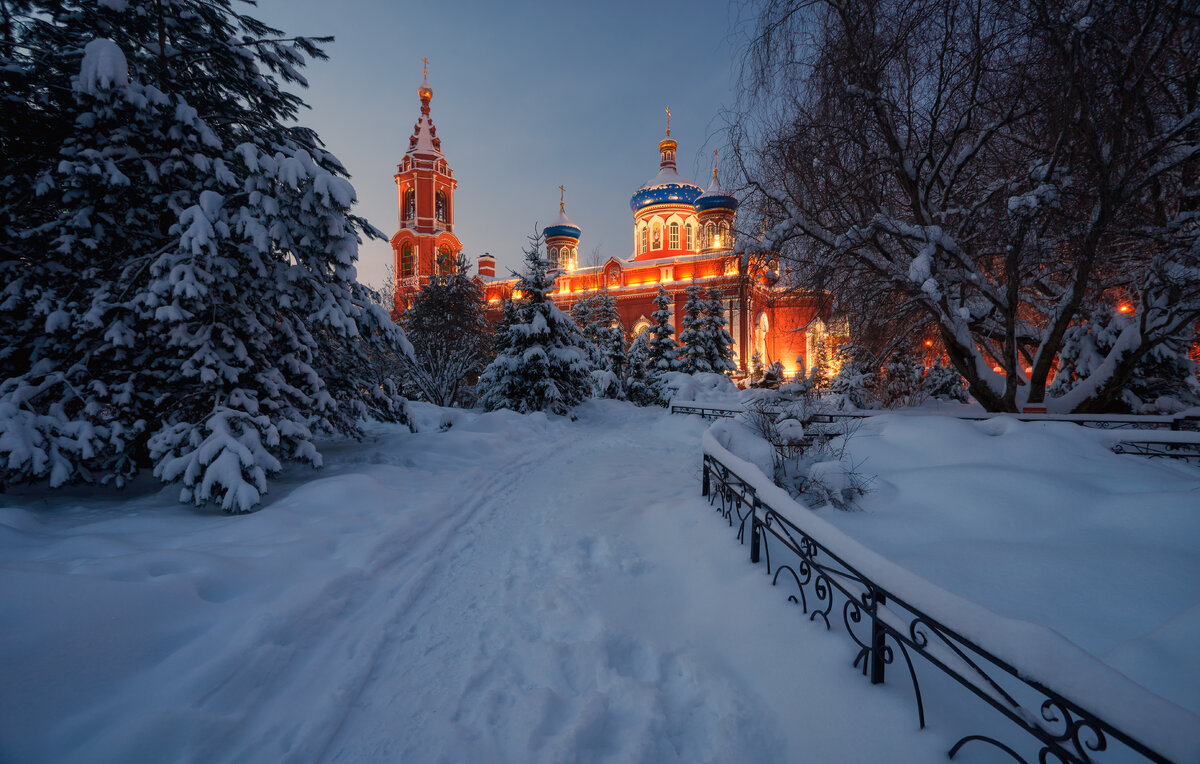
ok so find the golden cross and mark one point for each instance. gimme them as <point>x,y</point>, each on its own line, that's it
<point>668,121</point>
<point>714,164</point>
<point>425,70</point>
<point>561,191</point>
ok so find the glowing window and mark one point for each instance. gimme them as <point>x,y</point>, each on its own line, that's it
<point>406,260</point>
<point>673,236</point>
<point>723,236</point>
<point>645,235</point>
<point>709,232</point>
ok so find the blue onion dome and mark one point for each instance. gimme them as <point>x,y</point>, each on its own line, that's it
<point>562,227</point>
<point>667,186</point>
<point>716,198</point>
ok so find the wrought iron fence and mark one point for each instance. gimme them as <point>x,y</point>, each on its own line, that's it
<point>829,589</point>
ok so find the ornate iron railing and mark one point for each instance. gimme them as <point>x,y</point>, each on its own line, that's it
<point>881,624</point>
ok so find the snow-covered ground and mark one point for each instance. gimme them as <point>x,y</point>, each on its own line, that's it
<point>1042,522</point>
<point>516,588</point>
<point>523,588</point>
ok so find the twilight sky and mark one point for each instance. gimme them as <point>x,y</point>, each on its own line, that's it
<point>526,95</point>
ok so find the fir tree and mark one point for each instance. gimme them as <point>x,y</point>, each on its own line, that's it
<point>544,364</point>
<point>450,335</point>
<point>693,356</point>
<point>643,383</point>
<point>719,343</point>
<point>664,350</point>
<point>180,287</point>
<point>610,341</point>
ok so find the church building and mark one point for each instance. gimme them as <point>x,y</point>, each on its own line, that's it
<point>682,235</point>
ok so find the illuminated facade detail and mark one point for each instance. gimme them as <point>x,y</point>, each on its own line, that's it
<point>425,243</point>
<point>683,235</point>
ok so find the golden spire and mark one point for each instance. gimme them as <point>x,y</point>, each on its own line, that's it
<point>561,191</point>
<point>425,68</point>
<point>668,121</point>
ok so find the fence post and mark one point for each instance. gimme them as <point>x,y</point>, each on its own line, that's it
<point>704,485</point>
<point>877,637</point>
<point>754,532</point>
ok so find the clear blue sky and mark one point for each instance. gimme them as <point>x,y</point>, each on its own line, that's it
<point>527,95</point>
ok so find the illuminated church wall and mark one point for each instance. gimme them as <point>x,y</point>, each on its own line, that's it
<point>682,235</point>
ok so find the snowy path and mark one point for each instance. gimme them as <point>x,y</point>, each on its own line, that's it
<point>511,590</point>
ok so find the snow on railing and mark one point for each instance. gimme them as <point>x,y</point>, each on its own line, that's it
<point>1073,704</point>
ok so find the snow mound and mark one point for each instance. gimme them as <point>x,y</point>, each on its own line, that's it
<point>103,67</point>
<point>702,386</point>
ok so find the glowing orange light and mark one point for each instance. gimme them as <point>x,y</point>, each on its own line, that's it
<point>928,343</point>
<point>1125,308</point>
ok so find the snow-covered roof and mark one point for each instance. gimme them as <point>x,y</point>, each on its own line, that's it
<point>424,138</point>
<point>667,177</point>
<point>716,197</point>
<point>562,226</point>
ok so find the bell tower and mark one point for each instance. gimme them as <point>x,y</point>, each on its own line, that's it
<point>425,244</point>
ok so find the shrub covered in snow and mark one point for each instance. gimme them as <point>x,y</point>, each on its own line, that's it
<point>178,286</point>
<point>943,382</point>
<point>856,381</point>
<point>1163,381</point>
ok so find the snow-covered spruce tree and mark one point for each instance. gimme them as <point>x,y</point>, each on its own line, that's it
<point>450,335</point>
<point>664,350</point>
<point>693,355</point>
<point>543,364</point>
<point>643,382</point>
<point>719,341</point>
<point>1164,381</point>
<point>610,341</point>
<point>178,290</point>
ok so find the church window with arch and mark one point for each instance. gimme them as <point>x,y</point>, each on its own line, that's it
<point>406,260</point>
<point>409,208</point>
<point>723,235</point>
<point>688,235</point>
<point>445,261</point>
<point>709,232</point>
<point>673,236</point>
<point>440,208</point>
<point>645,238</point>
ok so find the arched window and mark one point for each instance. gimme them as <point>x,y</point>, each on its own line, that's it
<point>656,239</point>
<point>689,236</point>
<point>673,236</point>
<point>440,207</point>
<point>445,262</point>
<point>406,260</point>
<point>645,238</point>
<point>723,235</point>
<point>408,210</point>
<point>709,231</point>
<point>568,258</point>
